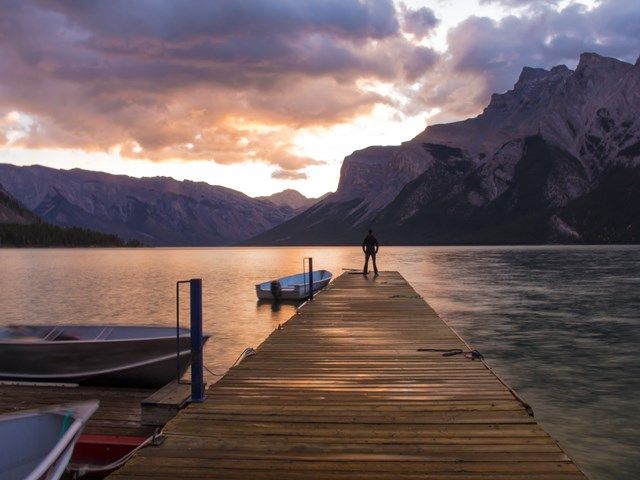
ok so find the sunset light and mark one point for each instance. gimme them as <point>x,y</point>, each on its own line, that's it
<point>319,239</point>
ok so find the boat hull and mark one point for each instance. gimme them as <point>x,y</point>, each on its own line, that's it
<point>146,362</point>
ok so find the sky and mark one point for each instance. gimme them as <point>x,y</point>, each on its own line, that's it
<point>263,95</point>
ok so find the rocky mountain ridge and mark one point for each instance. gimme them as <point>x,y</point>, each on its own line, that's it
<point>156,211</point>
<point>19,227</point>
<point>292,198</point>
<point>12,211</point>
<point>529,169</point>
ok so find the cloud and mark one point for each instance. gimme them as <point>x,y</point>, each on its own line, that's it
<point>220,81</point>
<point>522,3</point>
<point>288,175</point>
<point>420,22</point>
<point>236,81</point>
<point>487,56</point>
<point>170,21</point>
<point>418,62</point>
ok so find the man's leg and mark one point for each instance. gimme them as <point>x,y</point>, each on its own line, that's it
<point>375,267</point>
<point>365,270</point>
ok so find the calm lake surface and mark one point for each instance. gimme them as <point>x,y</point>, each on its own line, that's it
<point>561,325</point>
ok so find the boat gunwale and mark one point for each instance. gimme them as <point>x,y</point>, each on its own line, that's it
<point>295,286</point>
<point>42,341</point>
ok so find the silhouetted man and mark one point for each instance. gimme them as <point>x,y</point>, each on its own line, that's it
<point>370,248</point>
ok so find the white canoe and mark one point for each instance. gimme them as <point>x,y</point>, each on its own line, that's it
<point>37,444</point>
<point>101,355</point>
<point>294,287</point>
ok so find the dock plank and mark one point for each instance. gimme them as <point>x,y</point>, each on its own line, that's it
<point>342,392</point>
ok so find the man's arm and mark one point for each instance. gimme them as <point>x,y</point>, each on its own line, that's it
<point>376,245</point>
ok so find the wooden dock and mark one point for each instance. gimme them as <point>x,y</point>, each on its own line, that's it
<point>342,392</point>
<point>119,412</point>
<point>125,418</point>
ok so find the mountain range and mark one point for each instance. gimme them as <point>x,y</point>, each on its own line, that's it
<point>155,211</point>
<point>20,227</point>
<point>555,159</point>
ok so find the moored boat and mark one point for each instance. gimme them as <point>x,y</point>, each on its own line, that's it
<point>293,287</point>
<point>37,444</point>
<point>95,355</point>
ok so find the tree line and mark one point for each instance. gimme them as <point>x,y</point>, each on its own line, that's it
<point>46,235</point>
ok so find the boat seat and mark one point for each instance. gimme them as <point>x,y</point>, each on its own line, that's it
<point>53,333</point>
<point>66,336</point>
<point>106,331</point>
<point>59,334</point>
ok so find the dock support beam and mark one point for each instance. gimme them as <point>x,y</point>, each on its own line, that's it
<point>197,370</point>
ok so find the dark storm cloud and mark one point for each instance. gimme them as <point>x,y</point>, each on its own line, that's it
<point>185,21</point>
<point>200,40</point>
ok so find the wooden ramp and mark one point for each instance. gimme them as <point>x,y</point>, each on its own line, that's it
<point>341,392</point>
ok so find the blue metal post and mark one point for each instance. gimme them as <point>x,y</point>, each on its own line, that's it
<point>197,373</point>
<point>310,278</point>
<point>178,332</point>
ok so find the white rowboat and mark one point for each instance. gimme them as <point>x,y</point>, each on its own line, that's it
<point>37,444</point>
<point>293,287</point>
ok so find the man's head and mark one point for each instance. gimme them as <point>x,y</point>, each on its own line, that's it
<point>370,232</point>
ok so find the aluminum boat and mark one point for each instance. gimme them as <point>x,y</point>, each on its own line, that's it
<point>95,355</point>
<point>293,287</point>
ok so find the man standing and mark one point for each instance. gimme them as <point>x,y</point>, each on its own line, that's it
<point>370,248</point>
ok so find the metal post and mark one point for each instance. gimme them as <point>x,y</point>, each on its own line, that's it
<point>178,328</point>
<point>310,278</point>
<point>197,373</point>
<point>178,332</point>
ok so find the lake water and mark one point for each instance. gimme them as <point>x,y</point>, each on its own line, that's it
<point>561,325</point>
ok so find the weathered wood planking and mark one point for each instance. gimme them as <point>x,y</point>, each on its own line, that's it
<point>341,392</point>
<point>118,414</point>
<point>163,405</point>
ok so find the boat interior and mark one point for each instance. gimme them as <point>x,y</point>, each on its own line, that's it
<point>32,438</point>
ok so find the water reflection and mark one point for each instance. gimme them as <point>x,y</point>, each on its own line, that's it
<point>276,305</point>
<point>559,324</point>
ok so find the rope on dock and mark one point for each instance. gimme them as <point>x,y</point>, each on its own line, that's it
<point>247,352</point>
<point>450,352</point>
<point>155,439</point>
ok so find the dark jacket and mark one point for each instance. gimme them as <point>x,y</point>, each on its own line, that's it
<point>370,244</point>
